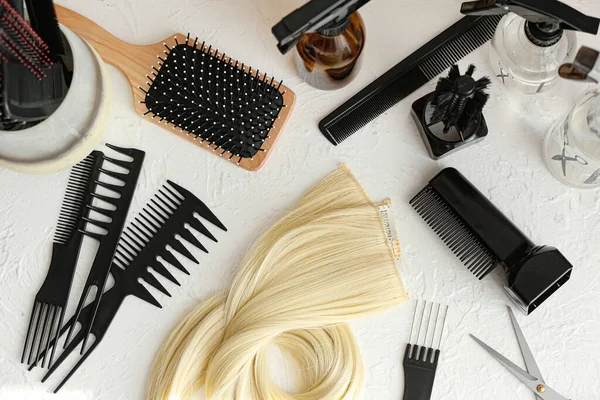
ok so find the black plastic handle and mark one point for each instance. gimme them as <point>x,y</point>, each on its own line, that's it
<point>312,17</point>
<point>420,365</point>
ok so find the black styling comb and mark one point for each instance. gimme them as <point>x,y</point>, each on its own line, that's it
<point>165,218</point>
<point>483,238</point>
<point>416,70</point>
<point>51,300</point>
<point>421,361</point>
<point>112,209</point>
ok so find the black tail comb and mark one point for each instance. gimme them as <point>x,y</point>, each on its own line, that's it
<point>483,238</point>
<point>51,300</point>
<point>110,210</point>
<point>421,361</point>
<point>154,233</point>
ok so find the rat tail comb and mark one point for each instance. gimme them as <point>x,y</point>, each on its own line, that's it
<point>145,245</point>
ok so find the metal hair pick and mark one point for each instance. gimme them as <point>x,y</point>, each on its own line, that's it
<point>420,361</point>
<point>154,233</point>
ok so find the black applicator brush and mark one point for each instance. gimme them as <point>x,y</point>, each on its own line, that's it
<point>451,117</point>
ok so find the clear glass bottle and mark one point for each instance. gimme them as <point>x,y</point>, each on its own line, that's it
<point>523,61</point>
<point>572,147</point>
<point>331,58</point>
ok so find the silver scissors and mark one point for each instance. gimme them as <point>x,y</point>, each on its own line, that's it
<point>532,378</point>
<point>564,159</point>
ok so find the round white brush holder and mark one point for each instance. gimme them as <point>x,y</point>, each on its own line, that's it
<point>74,129</point>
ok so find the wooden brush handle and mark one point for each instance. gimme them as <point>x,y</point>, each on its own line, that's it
<point>131,59</point>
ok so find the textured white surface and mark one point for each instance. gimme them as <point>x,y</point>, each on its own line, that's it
<point>389,159</point>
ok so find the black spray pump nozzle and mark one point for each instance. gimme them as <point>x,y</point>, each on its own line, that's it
<point>315,16</point>
<point>546,18</point>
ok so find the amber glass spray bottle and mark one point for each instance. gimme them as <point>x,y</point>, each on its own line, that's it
<point>329,36</point>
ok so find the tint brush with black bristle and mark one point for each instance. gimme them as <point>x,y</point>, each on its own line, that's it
<point>197,92</point>
<point>483,238</point>
<point>147,244</point>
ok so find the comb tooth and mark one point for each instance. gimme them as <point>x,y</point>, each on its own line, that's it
<point>189,236</point>
<point>170,258</point>
<point>134,244</point>
<point>180,248</point>
<point>161,269</point>
<point>114,188</point>
<point>149,221</point>
<point>123,150</point>
<point>141,233</point>
<point>121,163</point>
<point>144,294</point>
<point>157,213</point>
<point>155,283</point>
<point>109,200</point>
<point>169,208</point>
<point>148,228</point>
<point>199,226</point>
<point>175,193</point>
<point>116,175</point>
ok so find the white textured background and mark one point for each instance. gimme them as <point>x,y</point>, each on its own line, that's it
<point>390,160</point>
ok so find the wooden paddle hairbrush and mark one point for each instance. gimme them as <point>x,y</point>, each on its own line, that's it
<point>205,96</point>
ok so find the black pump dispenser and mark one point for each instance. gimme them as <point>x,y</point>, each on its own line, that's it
<point>323,16</point>
<point>329,36</point>
<point>546,19</point>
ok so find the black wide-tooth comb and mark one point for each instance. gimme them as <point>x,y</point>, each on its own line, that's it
<point>165,218</point>
<point>483,238</point>
<point>410,74</point>
<point>114,208</point>
<point>51,300</point>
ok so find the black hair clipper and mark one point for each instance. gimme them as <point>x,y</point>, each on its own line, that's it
<point>483,238</point>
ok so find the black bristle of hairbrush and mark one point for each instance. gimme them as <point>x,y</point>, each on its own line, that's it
<point>459,99</point>
<point>203,93</point>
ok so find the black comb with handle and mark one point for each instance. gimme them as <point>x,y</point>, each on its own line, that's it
<point>112,207</point>
<point>51,300</point>
<point>421,361</point>
<point>165,218</point>
<point>416,70</point>
<point>483,238</point>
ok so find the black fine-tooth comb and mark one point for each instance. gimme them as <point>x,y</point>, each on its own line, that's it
<point>51,300</point>
<point>112,209</point>
<point>483,238</point>
<point>165,218</point>
<point>202,95</point>
<point>404,78</point>
<point>421,361</point>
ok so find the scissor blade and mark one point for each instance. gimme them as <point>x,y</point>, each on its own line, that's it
<point>529,381</point>
<point>530,363</point>
<point>520,373</point>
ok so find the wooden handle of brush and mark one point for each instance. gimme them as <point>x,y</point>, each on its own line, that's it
<point>129,58</point>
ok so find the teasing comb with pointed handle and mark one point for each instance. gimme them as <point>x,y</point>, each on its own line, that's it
<point>197,92</point>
